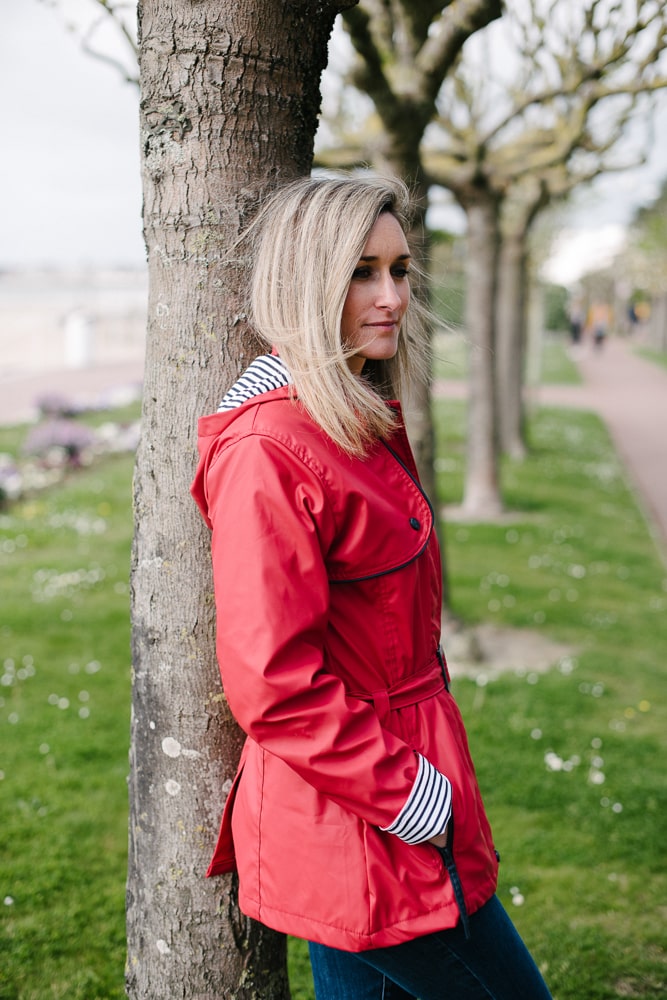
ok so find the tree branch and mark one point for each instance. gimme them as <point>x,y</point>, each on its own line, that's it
<point>369,75</point>
<point>442,46</point>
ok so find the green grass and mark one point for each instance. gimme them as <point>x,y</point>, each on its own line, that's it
<point>64,724</point>
<point>12,437</point>
<point>555,365</point>
<point>575,560</point>
<point>656,357</point>
<point>583,842</point>
<point>450,359</point>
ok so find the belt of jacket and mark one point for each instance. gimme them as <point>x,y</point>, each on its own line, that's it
<point>409,690</point>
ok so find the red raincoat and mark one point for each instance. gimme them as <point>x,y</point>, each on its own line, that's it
<point>327,588</point>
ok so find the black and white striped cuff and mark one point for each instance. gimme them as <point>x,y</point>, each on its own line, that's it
<point>428,808</point>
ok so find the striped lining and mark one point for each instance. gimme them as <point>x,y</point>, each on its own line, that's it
<point>428,808</point>
<point>265,373</point>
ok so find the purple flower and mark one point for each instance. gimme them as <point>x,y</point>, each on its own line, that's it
<point>54,404</point>
<point>60,433</point>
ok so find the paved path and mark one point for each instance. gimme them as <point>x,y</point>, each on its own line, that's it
<point>629,393</point>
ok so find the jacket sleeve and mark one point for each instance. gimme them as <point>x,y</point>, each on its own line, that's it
<point>272,525</point>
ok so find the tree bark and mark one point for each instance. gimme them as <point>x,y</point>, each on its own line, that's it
<point>230,99</point>
<point>511,340</point>
<point>481,496</point>
<point>518,214</point>
<point>419,407</point>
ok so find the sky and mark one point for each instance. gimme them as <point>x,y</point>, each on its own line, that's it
<point>70,173</point>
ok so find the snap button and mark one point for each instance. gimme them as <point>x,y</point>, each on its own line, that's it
<point>414,523</point>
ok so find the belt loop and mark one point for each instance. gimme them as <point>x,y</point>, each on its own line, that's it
<point>381,704</point>
<point>443,666</point>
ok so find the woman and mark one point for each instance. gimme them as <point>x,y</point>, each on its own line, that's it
<point>355,820</point>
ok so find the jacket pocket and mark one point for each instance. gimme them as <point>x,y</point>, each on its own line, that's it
<point>224,856</point>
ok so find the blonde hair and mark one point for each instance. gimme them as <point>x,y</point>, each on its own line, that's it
<point>305,244</point>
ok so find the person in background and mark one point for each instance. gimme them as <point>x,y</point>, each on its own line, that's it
<point>599,321</point>
<point>576,316</point>
<point>355,820</point>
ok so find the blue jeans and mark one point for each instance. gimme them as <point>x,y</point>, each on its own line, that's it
<point>493,965</point>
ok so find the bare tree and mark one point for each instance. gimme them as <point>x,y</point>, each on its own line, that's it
<point>538,109</point>
<point>229,104</point>
<point>517,218</point>
<point>106,30</point>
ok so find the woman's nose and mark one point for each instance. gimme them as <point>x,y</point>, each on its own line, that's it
<point>387,293</point>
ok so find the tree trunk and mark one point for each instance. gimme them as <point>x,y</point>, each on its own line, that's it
<point>419,407</point>
<point>230,98</point>
<point>518,215</point>
<point>657,324</point>
<point>481,496</point>
<point>511,341</point>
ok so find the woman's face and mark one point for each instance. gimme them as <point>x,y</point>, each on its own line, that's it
<point>378,295</point>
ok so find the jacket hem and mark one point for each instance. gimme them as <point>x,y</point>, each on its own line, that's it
<point>221,866</point>
<point>347,939</point>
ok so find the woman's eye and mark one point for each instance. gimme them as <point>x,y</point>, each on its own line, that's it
<point>398,271</point>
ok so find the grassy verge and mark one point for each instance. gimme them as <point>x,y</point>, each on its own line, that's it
<point>450,359</point>
<point>64,723</point>
<point>571,762</point>
<point>656,357</point>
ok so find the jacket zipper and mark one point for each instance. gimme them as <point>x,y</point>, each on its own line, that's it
<point>409,474</point>
<point>447,855</point>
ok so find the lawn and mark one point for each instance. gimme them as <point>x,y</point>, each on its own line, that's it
<point>547,362</point>
<point>64,723</point>
<point>571,762</point>
<point>656,357</point>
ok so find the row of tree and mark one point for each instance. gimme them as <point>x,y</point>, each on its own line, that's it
<point>509,113</point>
